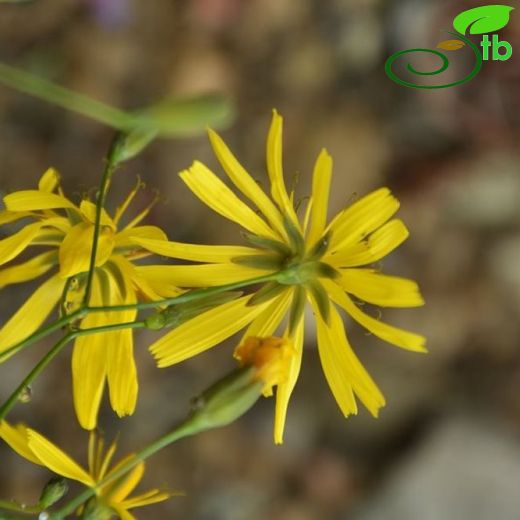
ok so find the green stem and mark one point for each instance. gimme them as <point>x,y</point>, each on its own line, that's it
<point>53,352</point>
<point>42,333</point>
<point>82,312</point>
<point>110,167</point>
<point>34,373</point>
<point>195,294</point>
<point>18,508</point>
<point>185,429</point>
<point>48,91</point>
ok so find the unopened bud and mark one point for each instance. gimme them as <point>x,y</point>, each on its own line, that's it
<point>53,491</point>
<point>226,400</point>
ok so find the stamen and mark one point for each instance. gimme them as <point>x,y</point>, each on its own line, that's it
<point>130,197</point>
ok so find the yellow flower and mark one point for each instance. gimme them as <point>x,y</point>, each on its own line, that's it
<point>115,495</point>
<point>316,263</point>
<point>66,231</point>
<point>271,358</point>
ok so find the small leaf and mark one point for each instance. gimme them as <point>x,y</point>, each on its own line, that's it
<point>451,45</point>
<point>482,20</point>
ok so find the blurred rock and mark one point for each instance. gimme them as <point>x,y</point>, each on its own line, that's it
<point>465,469</point>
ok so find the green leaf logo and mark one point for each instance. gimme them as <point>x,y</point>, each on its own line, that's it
<point>482,20</point>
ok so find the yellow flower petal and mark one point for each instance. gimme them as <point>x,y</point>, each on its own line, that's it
<point>245,183</point>
<point>275,169</point>
<point>285,389</point>
<point>128,237</point>
<point>88,377</point>
<point>13,245</point>
<point>266,323</point>
<point>16,437</point>
<point>28,270</point>
<point>32,313</point>
<point>127,484</point>
<point>194,252</point>
<point>56,460</point>
<point>215,194</point>
<point>362,218</point>
<point>122,512</point>
<point>343,370</point>
<point>12,216</point>
<point>75,250</point>
<point>394,335</point>
<point>379,244</point>
<point>150,289</point>
<point>205,275</point>
<point>88,210</point>
<point>205,331</point>
<point>120,363</point>
<point>320,196</point>
<point>34,200</point>
<point>147,498</point>
<point>89,363</point>
<point>380,289</point>
<point>49,181</point>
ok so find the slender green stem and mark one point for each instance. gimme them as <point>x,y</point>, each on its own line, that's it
<point>185,429</point>
<point>110,167</point>
<point>42,333</point>
<point>34,373</point>
<point>53,352</point>
<point>60,96</point>
<point>18,508</point>
<point>195,294</point>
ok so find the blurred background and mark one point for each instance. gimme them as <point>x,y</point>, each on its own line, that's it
<point>447,445</point>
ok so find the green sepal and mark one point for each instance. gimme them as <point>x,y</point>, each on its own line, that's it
<point>295,237</point>
<point>266,262</point>
<point>320,247</point>
<point>226,400</point>
<point>297,308</point>
<point>321,298</point>
<point>267,292</point>
<point>269,244</point>
<point>324,270</point>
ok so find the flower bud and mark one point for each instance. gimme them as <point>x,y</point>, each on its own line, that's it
<point>226,400</point>
<point>52,492</point>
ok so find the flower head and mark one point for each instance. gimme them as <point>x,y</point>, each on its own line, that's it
<point>270,357</point>
<point>311,262</point>
<point>65,230</point>
<point>114,495</point>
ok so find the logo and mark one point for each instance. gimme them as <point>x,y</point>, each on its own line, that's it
<point>480,20</point>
